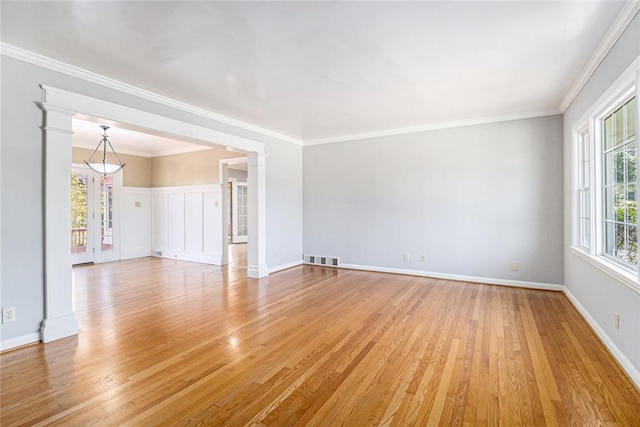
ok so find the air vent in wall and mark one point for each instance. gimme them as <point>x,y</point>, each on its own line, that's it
<point>321,260</point>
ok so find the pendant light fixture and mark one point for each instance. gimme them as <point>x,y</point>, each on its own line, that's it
<point>103,167</point>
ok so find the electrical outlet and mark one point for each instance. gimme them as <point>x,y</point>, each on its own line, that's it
<point>405,257</point>
<point>515,266</point>
<point>8,314</point>
<point>616,320</point>
<point>423,258</point>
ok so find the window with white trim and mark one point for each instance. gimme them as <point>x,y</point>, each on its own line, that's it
<point>605,186</point>
<point>620,227</point>
<point>584,198</point>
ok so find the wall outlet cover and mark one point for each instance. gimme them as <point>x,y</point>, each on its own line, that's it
<point>8,314</point>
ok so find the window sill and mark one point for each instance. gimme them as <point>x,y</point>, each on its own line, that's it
<point>621,275</point>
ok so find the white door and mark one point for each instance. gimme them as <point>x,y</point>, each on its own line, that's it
<point>239,212</point>
<point>105,221</point>
<point>94,216</point>
<point>81,207</point>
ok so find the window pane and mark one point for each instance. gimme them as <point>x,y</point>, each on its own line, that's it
<point>609,167</point>
<point>619,241</point>
<point>609,204</point>
<point>584,231</point>
<point>587,182</point>
<point>610,238</point>
<point>620,157</point>
<point>584,204</point>
<point>619,127</point>
<point>620,189</point>
<point>620,205</point>
<point>630,158</point>
<point>632,205</point>
<point>608,133</point>
<point>585,139</point>
<point>632,244</point>
<point>631,118</point>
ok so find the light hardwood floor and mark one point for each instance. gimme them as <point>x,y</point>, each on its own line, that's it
<point>165,342</point>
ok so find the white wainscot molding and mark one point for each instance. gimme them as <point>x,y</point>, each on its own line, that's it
<point>187,223</point>
<point>135,238</point>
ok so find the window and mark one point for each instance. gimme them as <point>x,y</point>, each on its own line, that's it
<point>584,204</point>
<point>606,200</point>
<point>619,184</point>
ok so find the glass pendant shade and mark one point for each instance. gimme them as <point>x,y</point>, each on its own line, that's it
<point>104,167</point>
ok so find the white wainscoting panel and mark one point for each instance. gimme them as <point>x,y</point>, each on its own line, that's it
<point>158,221</point>
<point>175,221</point>
<point>193,226</point>
<point>187,223</point>
<point>135,214</point>
<point>211,222</point>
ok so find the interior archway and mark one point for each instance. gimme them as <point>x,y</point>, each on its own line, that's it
<point>59,107</point>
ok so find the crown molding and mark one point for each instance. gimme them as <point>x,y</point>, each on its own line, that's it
<point>433,126</point>
<point>77,72</point>
<point>615,31</point>
<point>149,155</point>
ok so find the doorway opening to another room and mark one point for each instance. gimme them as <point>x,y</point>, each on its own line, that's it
<point>236,209</point>
<point>94,218</point>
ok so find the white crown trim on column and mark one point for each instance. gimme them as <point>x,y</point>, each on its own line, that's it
<point>615,31</point>
<point>73,71</point>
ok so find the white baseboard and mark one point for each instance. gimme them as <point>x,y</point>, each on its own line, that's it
<point>213,259</point>
<point>131,253</point>
<point>56,328</point>
<point>257,271</point>
<point>626,365</point>
<point>457,277</point>
<point>19,341</point>
<point>285,266</point>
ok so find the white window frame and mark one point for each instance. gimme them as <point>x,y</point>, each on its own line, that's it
<point>626,96</point>
<point>624,88</point>
<point>584,184</point>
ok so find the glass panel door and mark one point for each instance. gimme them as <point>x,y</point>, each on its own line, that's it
<point>81,248</point>
<point>106,213</point>
<point>106,221</point>
<point>240,213</point>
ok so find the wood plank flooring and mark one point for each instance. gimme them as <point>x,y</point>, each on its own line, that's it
<point>165,342</point>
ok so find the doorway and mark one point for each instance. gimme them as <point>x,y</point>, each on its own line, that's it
<point>59,107</point>
<point>94,216</point>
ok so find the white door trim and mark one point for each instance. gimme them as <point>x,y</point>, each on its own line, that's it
<point>87,256</point>
<point>59,107</point>
<point>223,171</point>
<point>235,237</point>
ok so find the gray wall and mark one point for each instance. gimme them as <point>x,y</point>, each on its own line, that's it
<point>22,186</point>
<point>599,293</point>
<point>472,199</point>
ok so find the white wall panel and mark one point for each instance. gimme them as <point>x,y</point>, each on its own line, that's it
<point>212,218</point>
<point>135,217</point>
<point>175,221</point>
<point>159,221</point>
<point>193,225</point>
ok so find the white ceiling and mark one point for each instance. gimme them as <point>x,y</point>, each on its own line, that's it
<point>318,70</point>
<point>87,133</point>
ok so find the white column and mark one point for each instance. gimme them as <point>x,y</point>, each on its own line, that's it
<point>59,319</point>
<point>256,209</point>
<point>224,203</point>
